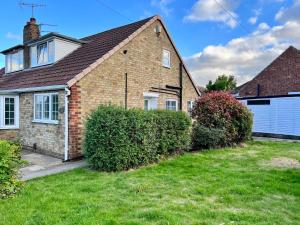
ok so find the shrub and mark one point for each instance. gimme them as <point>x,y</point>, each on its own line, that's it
<point>118,139</point>
<point>221,110</point>
<point>206,138</point>
<point>10,161</point>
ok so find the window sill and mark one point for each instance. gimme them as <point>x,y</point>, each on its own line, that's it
<point>167,67</point>
<point>55,122</point>
<point>9,128</point>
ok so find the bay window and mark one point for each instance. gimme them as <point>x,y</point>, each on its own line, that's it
<point>9,112</point>
<point>46,108</point>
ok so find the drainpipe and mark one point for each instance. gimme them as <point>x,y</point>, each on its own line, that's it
<point>67,94</point>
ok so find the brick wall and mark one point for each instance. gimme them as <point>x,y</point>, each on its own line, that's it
<point>49,138</point>
<point>75,122</point>
<point>106,83</point>
<point>11,134</point>
<point>279,78</point>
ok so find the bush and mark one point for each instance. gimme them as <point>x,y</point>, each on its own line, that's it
<point>221,110</point>
<point>10,161</point>
<point>118,139</point>
<point>206,138</point>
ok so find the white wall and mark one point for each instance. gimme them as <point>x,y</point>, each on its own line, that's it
<point>63,48</point>
<point>282,116</point>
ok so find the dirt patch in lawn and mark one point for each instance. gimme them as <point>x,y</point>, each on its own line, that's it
<point>282,162</point>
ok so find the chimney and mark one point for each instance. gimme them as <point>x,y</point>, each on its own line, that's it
<point>31,32</point>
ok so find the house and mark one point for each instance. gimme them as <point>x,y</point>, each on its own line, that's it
<point>51,83</point>
<point>274,97</point>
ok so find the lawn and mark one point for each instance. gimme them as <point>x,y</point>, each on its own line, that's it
<point>256,184</point>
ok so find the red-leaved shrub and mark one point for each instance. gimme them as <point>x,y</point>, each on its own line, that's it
<point>220,110</point>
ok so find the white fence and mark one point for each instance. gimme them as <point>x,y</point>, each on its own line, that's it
<point>280,115</point>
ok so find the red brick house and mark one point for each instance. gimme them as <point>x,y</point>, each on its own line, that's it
<point>274,97</point>
<point>51,83</point>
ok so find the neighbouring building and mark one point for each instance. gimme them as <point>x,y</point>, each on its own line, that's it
<point>51,83</point>
<point>274,97</point>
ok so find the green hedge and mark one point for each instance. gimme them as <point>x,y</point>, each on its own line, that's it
<point>10,161</point>
<point>118,139</point>
<point>206,138</point>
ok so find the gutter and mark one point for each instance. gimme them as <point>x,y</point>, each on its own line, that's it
<point>67,94</point>
<point>32,89</point>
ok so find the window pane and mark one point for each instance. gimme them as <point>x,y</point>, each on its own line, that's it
<point>38,106</point>
<point>46,107</point>
<point>171,105</point>
<point>51,51</point>
<point>42,53</point>
<point>15,62</point>
<point>8,63</point>
<point>9,111</point>
<point>146,104</point>
<point>21,59</point>
<point>55,107</point>
<point>166,58</point>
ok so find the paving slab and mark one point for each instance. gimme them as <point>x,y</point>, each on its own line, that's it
<point>40,165</point>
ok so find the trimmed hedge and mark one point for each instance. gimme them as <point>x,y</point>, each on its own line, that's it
<point>207,138</point>
<point>220,110</point>
<point>10,162</point>
<point>118,139</point>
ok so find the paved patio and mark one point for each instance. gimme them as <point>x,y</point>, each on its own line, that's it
<point>43,165</point>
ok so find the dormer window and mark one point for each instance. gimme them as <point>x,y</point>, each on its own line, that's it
<point>14,61</point>
<point>42,53</point>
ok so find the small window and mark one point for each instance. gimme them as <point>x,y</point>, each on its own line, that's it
<point>46,108</point>
<point>190,105</point>
<point>9,111</point>
<point>258,102</point>
<point>42,54</point>
<point>166,61</point>
<point>171,105</point>
<point>9,106</point>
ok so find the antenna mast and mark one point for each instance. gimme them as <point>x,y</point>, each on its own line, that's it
<point>32,6</point>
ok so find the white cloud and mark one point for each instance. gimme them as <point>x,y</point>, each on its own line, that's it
<point>253,20</point>
<point>10,35</point>
<point>246,56</point>
<point>290,13</point>
<point>214,10</point>
<point>163,5</point>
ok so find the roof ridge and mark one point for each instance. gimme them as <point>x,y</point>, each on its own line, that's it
<point>129,24</point>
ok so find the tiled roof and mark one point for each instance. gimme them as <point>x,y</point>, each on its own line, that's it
<point>279,78</point>
<point>66,69</point>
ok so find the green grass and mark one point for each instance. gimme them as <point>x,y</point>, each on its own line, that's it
<point>227,186</point>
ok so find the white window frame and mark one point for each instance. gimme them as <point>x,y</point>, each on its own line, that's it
<point>34,53</point>
<point>8,60</point>
<point>169,58</point>
<point>43,120</point>
<point>2,112</point>
<point>171,100</point>
<point>192,104</point>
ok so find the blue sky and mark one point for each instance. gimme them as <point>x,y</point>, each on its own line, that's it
<point>214,36</point>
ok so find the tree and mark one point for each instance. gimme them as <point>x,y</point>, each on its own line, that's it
<point>222,83</point>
